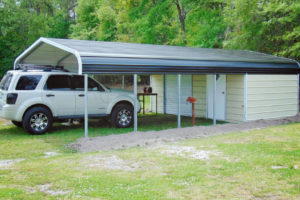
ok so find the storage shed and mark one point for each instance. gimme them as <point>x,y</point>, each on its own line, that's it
<point>229,85</point>
<point>239,97</point>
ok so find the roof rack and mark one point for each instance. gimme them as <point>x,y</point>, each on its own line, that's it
<point>48,68</point>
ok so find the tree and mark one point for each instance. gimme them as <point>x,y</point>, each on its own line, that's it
<point>173,22</point>
<point>205,26</point>
<point>270,26</point>
<point>86,20</point>
<point>24,21</point>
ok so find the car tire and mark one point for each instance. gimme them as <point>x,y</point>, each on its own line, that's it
<point>17,124</point>
<point>37,120</point>
<point>122,116</point>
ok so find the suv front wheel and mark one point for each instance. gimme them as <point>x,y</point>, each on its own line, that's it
<point>37,120</point>
<point>122,116</point>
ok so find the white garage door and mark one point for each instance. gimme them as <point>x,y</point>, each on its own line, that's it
<point>171,94</point>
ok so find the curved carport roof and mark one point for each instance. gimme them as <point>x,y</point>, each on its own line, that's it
<point>83,56</point>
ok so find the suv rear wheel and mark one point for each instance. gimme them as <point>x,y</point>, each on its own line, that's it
<point>122,116</point>
<point>37,120</point>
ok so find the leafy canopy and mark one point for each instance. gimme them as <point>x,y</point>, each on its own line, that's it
<point>270,26</point>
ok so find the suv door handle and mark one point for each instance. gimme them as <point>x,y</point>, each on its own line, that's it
<point>50,95</point>
<point>81,95</point>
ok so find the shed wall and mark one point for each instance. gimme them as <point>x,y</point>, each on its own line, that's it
<point>235,98</point>
<point>172,94</point>
<point>158,87</point>
<point>272,96</point>
<point>199,92</point>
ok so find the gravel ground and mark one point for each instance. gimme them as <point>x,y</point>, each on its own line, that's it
<point>122,141</point>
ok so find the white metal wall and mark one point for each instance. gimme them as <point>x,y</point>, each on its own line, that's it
<point>235,98</point>
<point>158,87</point>
<point>199,92</point>
<point>171,94</point>
<point>272,96</point>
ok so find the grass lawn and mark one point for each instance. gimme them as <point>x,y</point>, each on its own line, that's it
<point>60,135</point>
<point>260,164</point>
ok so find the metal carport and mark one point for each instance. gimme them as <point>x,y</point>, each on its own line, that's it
<point>94,57</point>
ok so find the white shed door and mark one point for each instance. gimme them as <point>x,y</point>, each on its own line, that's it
<point>220,96</point>
<point>171,94</point>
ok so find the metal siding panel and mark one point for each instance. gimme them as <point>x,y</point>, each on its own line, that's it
<point>171,94</point>
<point>199,92</point>
<point>157,86</point>
<point>272,96</point>
<point>235,98</point>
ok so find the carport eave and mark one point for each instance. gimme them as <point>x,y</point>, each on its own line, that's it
<point>118,69</point>
<point>42,40</point>
<point>116,65</point>
<point>207,70</point>
<point>31,48</point>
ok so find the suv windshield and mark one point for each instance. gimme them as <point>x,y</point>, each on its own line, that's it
<point>5,82</point>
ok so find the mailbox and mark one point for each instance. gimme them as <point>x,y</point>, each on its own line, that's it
<point>192,100</point>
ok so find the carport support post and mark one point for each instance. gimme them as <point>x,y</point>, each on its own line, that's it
<point>178,102</point>
<point>123,81</point>
<point>86,130</point>
<point>214,99</point>
<point>135,101</point>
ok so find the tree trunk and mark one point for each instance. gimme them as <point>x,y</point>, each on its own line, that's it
<point>181,14</point>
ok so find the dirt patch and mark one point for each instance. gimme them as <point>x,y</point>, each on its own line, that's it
<point>46,188</point>
<point>5,164</point>
<point>110,162</point>
<point>133,139</point>
<point>188,152</point>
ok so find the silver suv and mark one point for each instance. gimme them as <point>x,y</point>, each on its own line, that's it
<point>34,99</point>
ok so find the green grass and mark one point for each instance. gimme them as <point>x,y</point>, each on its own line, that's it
<point>60,135</point>
<point>147,102</point>
<point>241,170</point>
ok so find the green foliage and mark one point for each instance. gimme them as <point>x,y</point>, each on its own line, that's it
<point>151,21</point>
<point>205,24</point>
<point>86,20</point>
<point>24,21</point>
<point>270,26</point>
